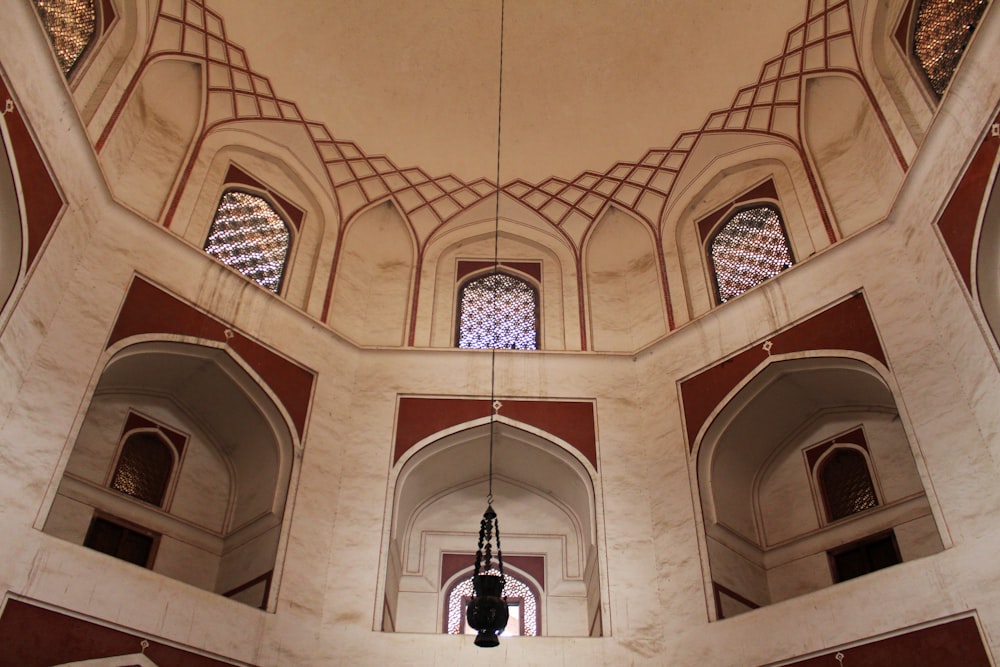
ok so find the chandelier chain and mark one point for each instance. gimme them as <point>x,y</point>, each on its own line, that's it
<point>496,254</point>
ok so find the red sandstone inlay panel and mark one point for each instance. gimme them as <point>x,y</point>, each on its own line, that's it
<point>236,176</point>
<point>961,216</point>
<point>765,190</point>
<point>32,636</point>
<point>952,644</point>
<point>42,201</point>
<point>846,326</point>
<point>572,421</point>
<point>150,310</point>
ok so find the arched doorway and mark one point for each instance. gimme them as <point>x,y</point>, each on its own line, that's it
<point>544,496</point>
<point>806,478</point>
<point>190,419</point>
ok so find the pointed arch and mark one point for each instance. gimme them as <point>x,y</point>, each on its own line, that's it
<point>755,482</point>
<point>372,286</point>
<point>626,304</point>
<point>249,235</point>
<point>854,156</point>
<point>547,504</point>
<point>149,143</point>
<point>233,480</point>
<point>145,466</point>
<point>497,309</point>
<point>12,246</point>
<point>747,248</point>
<point>845,482</point>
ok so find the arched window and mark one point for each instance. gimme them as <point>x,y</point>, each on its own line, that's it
<point>71,25</point>
<point>522,602</point>
<point>498,310</point>
<point>846,484</point>
<point>750,247</point>
<point>942,31</point>
<point>144,468</point>
<point>249,235</point>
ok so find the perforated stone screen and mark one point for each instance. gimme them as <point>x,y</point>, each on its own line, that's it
<point>847,484</point>
<point>513,589</point>
<point>750,248</point>
<point>70,25</point>
<point>143,469</point>
<point>498,311</point>
<point>249,235</point>
<point>943,30</point>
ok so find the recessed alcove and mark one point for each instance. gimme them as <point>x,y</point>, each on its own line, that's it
<point>544,497</point>
<point>761,464</point>
<point>218,524</point>
<point>987,262</point>
<point>11,244</point>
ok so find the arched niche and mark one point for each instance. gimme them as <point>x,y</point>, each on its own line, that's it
<point>374,274</point>
<point>150,140</point>
<point>281,157</point>
<point>987,260</point>
<point>220,526</point>
<point>99,82</point>
<point>545,500</point>
<point>11,231</point>
<point>624,288</point>
<point>524,236</point>
<point>853,156</point>
<point>886,34</point>
<point>766,533</point>
<point>282,173</point>
<point>735,171</point>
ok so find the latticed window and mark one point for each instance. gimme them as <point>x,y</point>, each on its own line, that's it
<point>71,25</point>
<point>521,603</point>
<point>498,310</point>
<point>846,483</point>
<point>249,235</point>
<point>144,468</point>
<point>943,30</point>
<point>747,250</point>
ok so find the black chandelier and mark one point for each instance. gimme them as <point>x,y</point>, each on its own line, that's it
<point>487,612</point>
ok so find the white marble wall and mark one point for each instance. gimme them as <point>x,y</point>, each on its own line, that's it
<point>652,562</point>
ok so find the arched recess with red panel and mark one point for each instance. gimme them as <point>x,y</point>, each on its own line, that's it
<point>762,426</point>
<point>544,494</point>
<point>231,412</point>
<point>30,201</point>
<point>726,172</point>
<point>969,227</point>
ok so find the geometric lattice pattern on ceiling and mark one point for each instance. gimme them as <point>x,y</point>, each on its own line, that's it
<point>513,589</point>
<point>144,468</point>
<point>498,311</point>
<point>847,484</point>
<point>248,235</point>
<point>943,30</point>
<point>749,249</point>
<point>70,25</point>
<point>824,41</point>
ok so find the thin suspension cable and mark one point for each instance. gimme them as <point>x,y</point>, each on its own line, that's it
<point>496,257</point>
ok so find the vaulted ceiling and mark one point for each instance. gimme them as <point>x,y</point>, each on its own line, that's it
<point>584,83</point>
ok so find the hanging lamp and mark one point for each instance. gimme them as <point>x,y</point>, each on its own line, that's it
<point>487,612</point>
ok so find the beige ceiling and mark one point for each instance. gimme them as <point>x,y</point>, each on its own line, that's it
<point>585,82</point>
